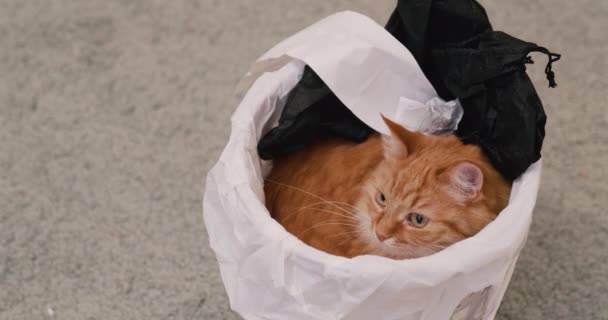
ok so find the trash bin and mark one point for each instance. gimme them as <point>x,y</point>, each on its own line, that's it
<point>270,274</point>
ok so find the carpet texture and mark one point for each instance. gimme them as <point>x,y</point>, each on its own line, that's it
<point>112,112</point>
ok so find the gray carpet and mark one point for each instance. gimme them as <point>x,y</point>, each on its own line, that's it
<point>112,111</point>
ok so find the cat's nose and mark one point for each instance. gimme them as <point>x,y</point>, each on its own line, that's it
<point>381,236</point>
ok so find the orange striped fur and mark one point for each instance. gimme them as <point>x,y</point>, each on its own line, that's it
<point>352,199</point>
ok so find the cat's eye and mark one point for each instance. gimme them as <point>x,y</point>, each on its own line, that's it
<point>417,220</point>
<point>381,199</point>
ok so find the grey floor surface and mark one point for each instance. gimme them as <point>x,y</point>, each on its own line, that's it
<point>112,111</point>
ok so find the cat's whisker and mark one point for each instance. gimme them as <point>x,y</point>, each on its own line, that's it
<point>345,204</point>
<point>310,207</point>
<point>303,208</point>
<point>353,217</point>
<point>306,192</point>
<point>325,224</point>
<point>355,209</point>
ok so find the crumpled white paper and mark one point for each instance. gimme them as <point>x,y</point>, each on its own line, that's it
<point>436,116</point>
<point>270,274</point>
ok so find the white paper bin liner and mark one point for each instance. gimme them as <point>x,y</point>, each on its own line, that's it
<point>270,274</point>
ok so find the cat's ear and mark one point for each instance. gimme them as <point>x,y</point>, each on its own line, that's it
<point>464,181</point>
<point>394,148</point>
<point>399,142</point>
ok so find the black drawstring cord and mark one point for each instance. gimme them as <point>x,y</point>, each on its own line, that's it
<point>553,57</point>
<point>550,74</point>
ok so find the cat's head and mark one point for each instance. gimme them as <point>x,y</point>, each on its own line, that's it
<point>427,193</point>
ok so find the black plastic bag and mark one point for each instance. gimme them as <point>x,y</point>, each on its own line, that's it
<point>463,57</point>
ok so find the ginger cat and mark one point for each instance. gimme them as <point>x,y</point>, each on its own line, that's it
<point>401,196</point>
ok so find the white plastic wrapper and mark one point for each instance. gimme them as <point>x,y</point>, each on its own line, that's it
<point>270,274</point>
